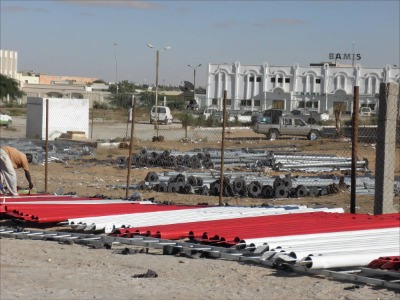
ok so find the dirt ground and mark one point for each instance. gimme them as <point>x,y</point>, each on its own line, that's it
<point>100,174</point>
<point>47,270</point>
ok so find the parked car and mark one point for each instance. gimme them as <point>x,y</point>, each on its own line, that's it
<point>217,116</point>
<point>5,120</point>
<point>209,111</point>
<point>366,111</point>
<point>245,117</point>
<point>311,117</point>
<point>193,105</point>
<point>269,115</point>
<point>164,115</point>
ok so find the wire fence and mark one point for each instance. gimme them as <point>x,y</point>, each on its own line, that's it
<point>356,157</point>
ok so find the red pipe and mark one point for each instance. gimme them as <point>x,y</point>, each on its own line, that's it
<point>232,231</point>
<point>50,213</point>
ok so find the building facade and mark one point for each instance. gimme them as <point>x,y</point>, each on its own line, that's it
<point>9,63</point>
<point>319,87</point>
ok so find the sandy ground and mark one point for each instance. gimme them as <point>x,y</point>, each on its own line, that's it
<point>48,270</point>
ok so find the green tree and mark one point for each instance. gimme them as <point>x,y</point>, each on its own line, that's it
<point>123,96</point>
<point>9,86</point>
<point>187,120</point>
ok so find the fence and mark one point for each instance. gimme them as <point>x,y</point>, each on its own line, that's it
<point>348,163</point>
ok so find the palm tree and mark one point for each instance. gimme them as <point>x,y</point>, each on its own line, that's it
<point>10,87</point>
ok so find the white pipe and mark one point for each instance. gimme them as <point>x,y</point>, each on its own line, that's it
<point>300,254</point>
<point>341,261</point>
<point>366,241</point>
<point>273,242</point>
<point>190,215</point>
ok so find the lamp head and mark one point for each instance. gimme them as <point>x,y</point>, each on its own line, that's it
<point>150,46</point>
<point>167,48</point>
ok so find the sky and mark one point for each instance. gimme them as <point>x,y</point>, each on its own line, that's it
<point>108,39</point>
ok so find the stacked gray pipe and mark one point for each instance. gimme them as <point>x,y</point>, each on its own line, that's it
<point>243,185</point>
<point>251,158</point>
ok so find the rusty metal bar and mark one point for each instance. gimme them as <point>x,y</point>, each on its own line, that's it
<point>47,147</point>
<point>128,179</point>
<point>222,149</point>
<point>354,158</point>
<point>91,125</point>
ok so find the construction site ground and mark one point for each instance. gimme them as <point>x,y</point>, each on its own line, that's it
<point>47,270</point>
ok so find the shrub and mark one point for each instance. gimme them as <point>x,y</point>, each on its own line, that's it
<point>100,105</point>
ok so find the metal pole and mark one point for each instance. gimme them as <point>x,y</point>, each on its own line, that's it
<point>116,67</point>
<point>128,179</point>
<point>194,78</point>
<point>222,150</point>
<point>354,158</point>
<point>127,121</point>
<point>47,147</point>
<point>156,108</point>
<point>194,83</point>
<point>91,126</point>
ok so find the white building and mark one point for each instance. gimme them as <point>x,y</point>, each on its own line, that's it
<point>319,88</point>
<point>28,77</point>
<point>8,63</point>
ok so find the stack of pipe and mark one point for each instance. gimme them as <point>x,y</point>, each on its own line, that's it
<point>252,158</point>
<point>191,216</point>
<point>249,184</point>
<point>55,209</point>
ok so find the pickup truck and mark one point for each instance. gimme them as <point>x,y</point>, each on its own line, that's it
<point>288,125</point>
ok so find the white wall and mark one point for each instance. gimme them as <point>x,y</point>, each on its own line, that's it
<point>64,115</point>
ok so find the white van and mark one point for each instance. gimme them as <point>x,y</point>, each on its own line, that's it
<point>366,111</point>
<point>163,113</point>
<point>209,111</point>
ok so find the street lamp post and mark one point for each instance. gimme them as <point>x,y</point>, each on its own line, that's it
<point>157,64</point>
<point>194,79</point>
<point>116,67</point>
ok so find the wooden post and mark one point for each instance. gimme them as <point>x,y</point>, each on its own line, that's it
<point>128,179</point>
<point>221,192</point>
<point>47,148</point>
<point>354,156</point>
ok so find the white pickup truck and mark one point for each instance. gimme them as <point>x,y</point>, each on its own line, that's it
<point>289,125</point>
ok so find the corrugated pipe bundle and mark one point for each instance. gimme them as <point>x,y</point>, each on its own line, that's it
<point>197,159</point>
<point>245,185</point>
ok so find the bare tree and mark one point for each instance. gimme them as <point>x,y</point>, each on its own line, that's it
<point>338,110</point>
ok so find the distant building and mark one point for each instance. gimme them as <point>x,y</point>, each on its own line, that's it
<point>28,77</point>
<point>55,79</point>
<point>318,87</point>
<point>68,91</point>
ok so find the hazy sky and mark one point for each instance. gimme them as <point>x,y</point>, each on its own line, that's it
<point>76,38</point>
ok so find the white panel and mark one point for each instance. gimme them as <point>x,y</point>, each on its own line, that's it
<point>64,115</point>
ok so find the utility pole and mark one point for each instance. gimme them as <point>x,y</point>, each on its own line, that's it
<point>116,67</point>
<point>194,79</point>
